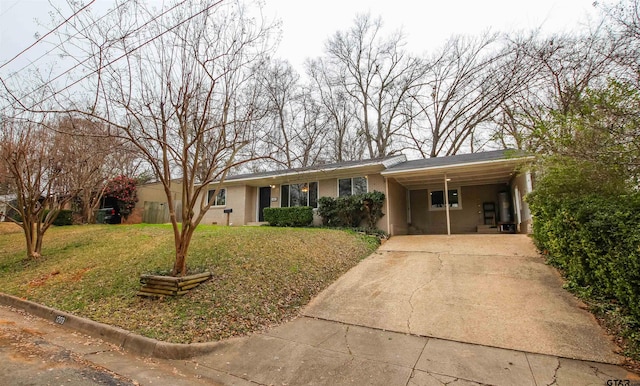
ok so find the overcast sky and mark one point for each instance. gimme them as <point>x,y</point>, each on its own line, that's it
<point>426,23</point>
<point>308,24</point>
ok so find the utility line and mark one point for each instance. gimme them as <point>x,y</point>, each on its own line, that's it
<point>10,7</point>
<point>15,73</point>
<point>47,34</point>
<point>112,61</point>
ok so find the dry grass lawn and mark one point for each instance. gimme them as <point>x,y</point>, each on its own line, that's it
<point>262,275</point>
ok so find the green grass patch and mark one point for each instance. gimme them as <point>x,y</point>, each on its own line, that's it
<point>261,275</point>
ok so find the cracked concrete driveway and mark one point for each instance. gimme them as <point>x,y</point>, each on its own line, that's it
<point>493,290</point>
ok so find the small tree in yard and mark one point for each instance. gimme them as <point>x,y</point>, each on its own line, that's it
<point>95,158</point>
<point>181,87</point>
<point>36,171</point>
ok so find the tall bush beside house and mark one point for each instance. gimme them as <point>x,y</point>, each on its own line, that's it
<point>586,203</point>
<point>372,203</point>
<point>590,229</point>
<point>595,241</point>
<point>351,211</point>
<point>328,210</point>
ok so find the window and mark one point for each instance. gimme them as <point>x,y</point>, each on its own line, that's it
<point>352,186</point>
<point>437,200</point>
<point>219,199</point>
<point>299,195</point>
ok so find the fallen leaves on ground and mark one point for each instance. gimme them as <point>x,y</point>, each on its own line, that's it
<point>262,276</point>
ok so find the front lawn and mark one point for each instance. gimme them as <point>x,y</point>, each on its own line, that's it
<point>262,275</point>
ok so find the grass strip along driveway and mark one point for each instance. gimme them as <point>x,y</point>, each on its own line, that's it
<point>262,276</point>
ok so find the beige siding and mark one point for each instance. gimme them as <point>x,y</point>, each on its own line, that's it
<point>328,188</point>
<point>376,182</point>
<point>153,196</point>
<point>395,222</point>
<point>463,220</point>
<point>251,205</point>
<point>236,200</point>
<point>155,193</point>
<point>419,211</point>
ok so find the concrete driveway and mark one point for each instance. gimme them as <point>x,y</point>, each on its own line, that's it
<point>492,290</point>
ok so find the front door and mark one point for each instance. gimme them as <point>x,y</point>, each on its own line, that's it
<point>265,201</point>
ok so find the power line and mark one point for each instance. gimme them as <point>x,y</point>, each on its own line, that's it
<point>17,72</point>
<point>112,61</point>
<point>47,34</point>
<point>10,7</point>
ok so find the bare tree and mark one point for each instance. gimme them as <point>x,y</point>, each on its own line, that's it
<point>313,131</point>
<point>179,83</point>
<point>296,131</point>
<point>467,81</point>
<point>378,74</point>
<point>622,21</point>
<point>561,69</point>
<point>36,171</point>
<point>337,113</point>
<point>94,157</point>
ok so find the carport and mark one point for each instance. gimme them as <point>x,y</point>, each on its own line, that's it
<point>484,191</point>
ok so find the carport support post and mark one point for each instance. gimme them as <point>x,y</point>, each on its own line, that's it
<point>446,204</point>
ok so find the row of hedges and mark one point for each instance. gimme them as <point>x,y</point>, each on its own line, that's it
<point>295,216</point>
<point>595,240</point>
<point>65,217</point>
<point>349,212</point>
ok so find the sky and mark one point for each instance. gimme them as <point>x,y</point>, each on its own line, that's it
<point>306,25</point>
<point>426,23</point>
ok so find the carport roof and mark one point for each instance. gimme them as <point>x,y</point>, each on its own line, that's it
<point>492,167</point>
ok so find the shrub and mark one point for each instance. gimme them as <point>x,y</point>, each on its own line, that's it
<point>351,211</point>
<point>64,217</point>
<point>595,240</point>
<point>296,216</point>
<point>372,203</point>
<point>328,210</point>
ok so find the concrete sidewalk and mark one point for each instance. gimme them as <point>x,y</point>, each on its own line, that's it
<point>309,351</point>
<point>316,352</point>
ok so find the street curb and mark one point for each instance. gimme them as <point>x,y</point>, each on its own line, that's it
<point>133,343</point>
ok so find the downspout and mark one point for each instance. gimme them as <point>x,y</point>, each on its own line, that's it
<point>446,204</point>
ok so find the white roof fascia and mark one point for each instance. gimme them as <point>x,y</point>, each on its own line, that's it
<point>439,167</point>
<point>285,174</point>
